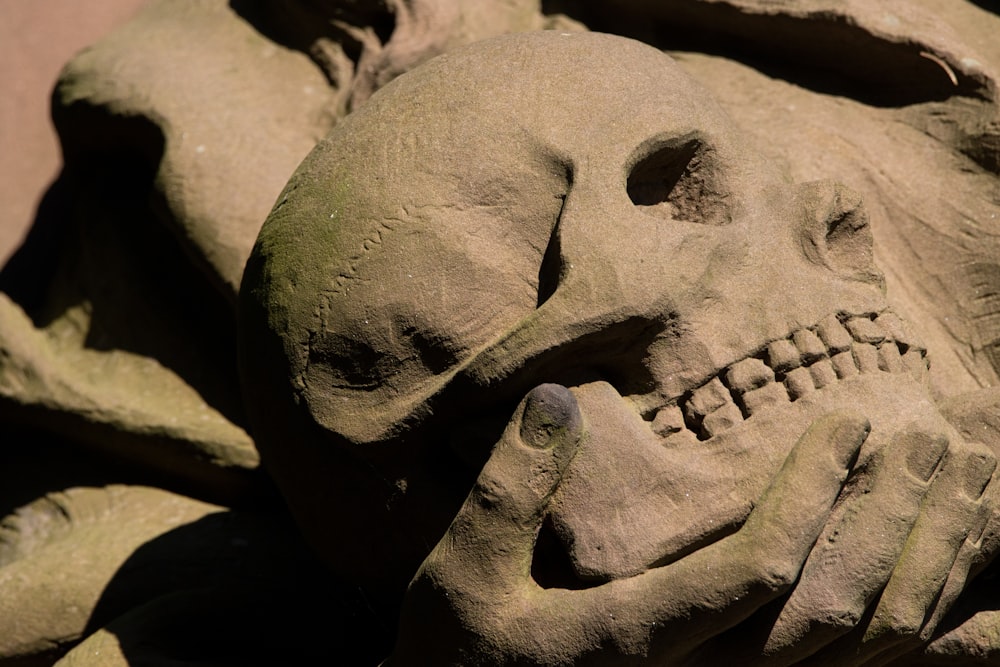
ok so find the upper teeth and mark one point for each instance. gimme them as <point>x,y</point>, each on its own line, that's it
<point>786,369</point>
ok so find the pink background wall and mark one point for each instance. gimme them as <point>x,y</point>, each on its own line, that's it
<point>36,38</point>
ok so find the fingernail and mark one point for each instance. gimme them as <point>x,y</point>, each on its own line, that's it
<point>925,454</point>
<point>549,410</point>
<point>979,527</point>
<point>848,436</point>
<point>979,470</point>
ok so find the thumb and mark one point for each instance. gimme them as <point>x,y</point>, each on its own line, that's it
<point>499,521</point>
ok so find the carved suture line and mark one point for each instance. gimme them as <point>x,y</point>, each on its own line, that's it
<point>349,273</point>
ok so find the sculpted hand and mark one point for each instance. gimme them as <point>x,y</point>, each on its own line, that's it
<point>473,601</point>
<point>892,560</point>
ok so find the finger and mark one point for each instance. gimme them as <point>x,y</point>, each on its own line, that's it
<point>494,532</point>
<point>974,642</point>
<point>856,554</point>
<point>968,554</point>
<point>793,510</point>
<point>668,611</point>
<point>978,550</point>
<point>931,555</point>
<point>951,507</point>
<point>975,554</point>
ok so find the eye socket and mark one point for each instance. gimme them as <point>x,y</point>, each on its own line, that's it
<point>679,179</point>
<point>350,362</point>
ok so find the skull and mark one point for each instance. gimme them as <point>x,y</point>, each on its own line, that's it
<point>571,208</point>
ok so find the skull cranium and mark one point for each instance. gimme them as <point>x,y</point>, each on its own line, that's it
<point>570,208</point>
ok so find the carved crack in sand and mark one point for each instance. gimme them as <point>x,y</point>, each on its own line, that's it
<point>840,347</point>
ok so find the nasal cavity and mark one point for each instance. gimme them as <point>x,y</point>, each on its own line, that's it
<point>679,180</point>
<point>839,232</point>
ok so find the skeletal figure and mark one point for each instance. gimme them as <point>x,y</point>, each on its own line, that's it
<point>513,214</point>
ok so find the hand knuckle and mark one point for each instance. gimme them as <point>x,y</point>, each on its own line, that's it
<point>776,573</point>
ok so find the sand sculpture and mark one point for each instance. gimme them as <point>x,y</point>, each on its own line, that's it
<point>622,297</point>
